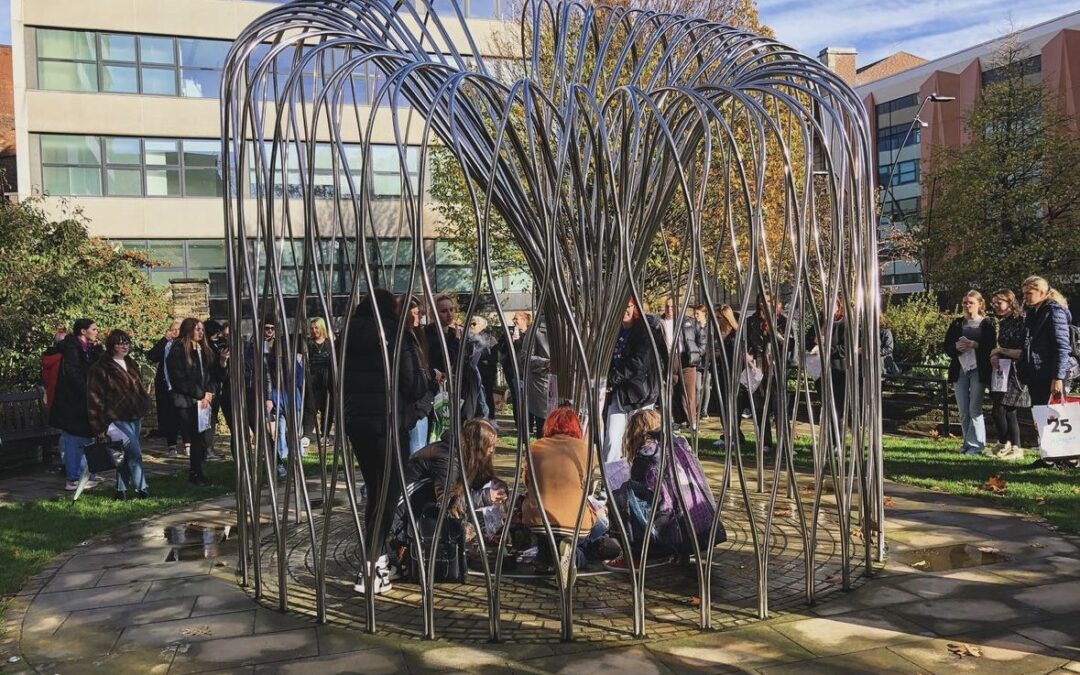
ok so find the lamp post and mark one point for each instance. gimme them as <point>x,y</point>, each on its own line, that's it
<point>886,189</point>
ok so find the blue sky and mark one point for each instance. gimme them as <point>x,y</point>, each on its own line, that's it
<point>927,28</point>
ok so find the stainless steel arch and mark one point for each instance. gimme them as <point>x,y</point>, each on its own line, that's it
<point>625,135</point>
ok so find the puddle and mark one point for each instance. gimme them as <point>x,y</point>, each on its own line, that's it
<point>952,557</point>
<point>195,541</point>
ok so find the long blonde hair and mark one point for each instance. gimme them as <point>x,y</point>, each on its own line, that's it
<point>1044,286</point>
<point>637,432</point>
<point>728,315</point>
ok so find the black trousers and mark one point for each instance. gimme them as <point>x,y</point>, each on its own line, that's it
<point>318,409</point>
<point>368,439</point>
<point>168,425</point>
<point>1008,428</point>
<point>189,427</point>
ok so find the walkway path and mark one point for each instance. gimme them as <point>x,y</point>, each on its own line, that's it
<point>115,605</point>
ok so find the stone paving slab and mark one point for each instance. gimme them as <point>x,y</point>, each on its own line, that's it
<point>116,606</point>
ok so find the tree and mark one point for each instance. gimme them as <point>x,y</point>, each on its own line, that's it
<point>448,188</point>
<point>51,273</point>
<point>1006,205</point>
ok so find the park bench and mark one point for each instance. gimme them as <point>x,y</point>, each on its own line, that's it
<point>25,434</point>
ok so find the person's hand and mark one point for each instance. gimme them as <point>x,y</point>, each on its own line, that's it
<point>1057,387</point>
<point>994,360</point>
<point>498,495</point>
<point>203,404</point>
<point>269,407</point>
<point>102,437</point>
<point>440,377</point>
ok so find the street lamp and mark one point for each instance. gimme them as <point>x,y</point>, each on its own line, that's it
<point>886,189</point>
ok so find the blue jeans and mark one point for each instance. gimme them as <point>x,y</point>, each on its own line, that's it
<point>71,448</point>
<point>282,445</point>
<point>129,475</point>
<point>418,435</point>
<point>969,401</point>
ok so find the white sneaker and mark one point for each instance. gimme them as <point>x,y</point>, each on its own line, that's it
<point>1015,454</point>
<point>304,443</point>
<point>187,450</point>
<point>1003,449</point>
<point>382,577</point>
<point>171,452</point>
<point>71,485</point>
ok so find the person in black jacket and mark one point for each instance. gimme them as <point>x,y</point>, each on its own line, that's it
<point>633,381</point>
<point>317,399</point>
<point>189,371</point>
<point>367,403</point>
<point>968,342</point>
<point>168,427</point>
<point>761,332</point>
<point>837,359</point>
<point>1047,364</point>
<point>1010,345</point>
<point>68,413</point>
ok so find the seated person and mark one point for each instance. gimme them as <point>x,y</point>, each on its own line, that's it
<point>634,499</point>
<point>562,473</point>
<point>426,475</point>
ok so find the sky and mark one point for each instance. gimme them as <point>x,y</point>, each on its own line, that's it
<point>926,28</point>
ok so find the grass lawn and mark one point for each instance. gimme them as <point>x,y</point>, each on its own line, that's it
<point>1053,494</point>
<point>32,534</point>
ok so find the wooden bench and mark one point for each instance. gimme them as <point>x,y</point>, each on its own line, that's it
<point>25,434</point>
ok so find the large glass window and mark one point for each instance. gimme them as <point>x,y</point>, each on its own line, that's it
<point>129,64</point>
<point>386,166</point>
<point>904,173</point>
<point>132,167</point>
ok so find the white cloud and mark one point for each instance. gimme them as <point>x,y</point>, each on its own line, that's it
<point>929,28</point>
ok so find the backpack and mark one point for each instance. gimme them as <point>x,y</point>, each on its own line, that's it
<point>689,479</point>
<point>50,374</point>
<point>1074,340</point>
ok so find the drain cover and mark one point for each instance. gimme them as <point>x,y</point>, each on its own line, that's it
<point>952,557</point>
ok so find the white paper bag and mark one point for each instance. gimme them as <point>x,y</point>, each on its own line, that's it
<point>999,377</point>
<point>751,377</point>
<point>204,419</point>
<point>117,436</point>
<point>1059,429</point>
<point>968,360</point>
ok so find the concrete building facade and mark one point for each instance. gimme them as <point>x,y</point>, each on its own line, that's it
<point>893,100</point>
<point>116,111</point>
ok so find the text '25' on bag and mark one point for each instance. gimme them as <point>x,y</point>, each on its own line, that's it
<point>1059,427</point>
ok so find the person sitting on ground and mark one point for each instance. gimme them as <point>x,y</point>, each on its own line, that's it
<point>558,463</point>
<point>116,397</point>
<point>430,469</point>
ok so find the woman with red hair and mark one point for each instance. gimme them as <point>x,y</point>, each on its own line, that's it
<point>633,379</point>
<point>559,461</point>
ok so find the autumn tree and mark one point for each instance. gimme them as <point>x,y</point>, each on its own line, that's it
<point>1006,205</point>
<point>51,273</point>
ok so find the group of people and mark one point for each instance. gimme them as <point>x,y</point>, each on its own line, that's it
<point>1025,356</point>
<point>100,396</point>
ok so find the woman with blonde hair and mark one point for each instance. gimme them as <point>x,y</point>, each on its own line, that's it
<point>317,399</point>
<point>968,342</point>
<point>1046,364</point>
<point>1010,343</point>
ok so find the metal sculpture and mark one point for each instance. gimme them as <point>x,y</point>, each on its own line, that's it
<point>620,140</point>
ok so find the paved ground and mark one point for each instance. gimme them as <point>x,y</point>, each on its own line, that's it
<point>115,605</point>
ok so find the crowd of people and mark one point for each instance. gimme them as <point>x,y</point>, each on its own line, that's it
<point>1025,356</point>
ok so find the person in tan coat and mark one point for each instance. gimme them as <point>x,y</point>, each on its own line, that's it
<point>560,462</point>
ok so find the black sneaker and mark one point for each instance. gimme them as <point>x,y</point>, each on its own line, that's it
<point>142,494</point>
<point>607,548</point>
<point>199,480</point>
<point>120,496</point>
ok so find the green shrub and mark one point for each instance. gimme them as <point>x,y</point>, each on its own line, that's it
<point>51,273</point>
<point>919,326</point>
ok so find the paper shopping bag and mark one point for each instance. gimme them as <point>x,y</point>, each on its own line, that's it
<point>999,377</point>
<point>1059,428</point>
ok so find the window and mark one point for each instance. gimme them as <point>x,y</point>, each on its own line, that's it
<point>129,64</point>
<point>904,173</point>
<point>184,259</point>
<point>890,138</point>
<point>892,106</point>
<point>92,166</point>
<point>452,273</point>
<point>385,180</point>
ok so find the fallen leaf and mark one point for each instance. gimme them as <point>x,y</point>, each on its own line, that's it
<point>1038,545</point>
<point>989,549</point>
<point>889,501</point>
<point>935,488</point>
<point>695,601</point>
<point>834,579</point>
<point>963,649</point>
<point>935,434</point>
<point>1076,490</point>
<point>919,565</point>
<point>783,512</point>
<point>995,484</point>
<point>202,630</point>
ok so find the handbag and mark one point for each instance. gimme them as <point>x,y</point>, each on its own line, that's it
<point>450,560</point>
<point>104,456</point>
<point>1059,427</point>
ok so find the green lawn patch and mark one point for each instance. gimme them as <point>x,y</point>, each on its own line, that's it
<point>32,534</point>
<point>938,465</point>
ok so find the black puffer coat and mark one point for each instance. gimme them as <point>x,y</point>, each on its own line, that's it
<point>68,411</point>
<point>636,380</point>
<point>363,385</point>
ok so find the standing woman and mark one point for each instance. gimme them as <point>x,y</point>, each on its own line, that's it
<point>633,379</point>
<point>115,396</point>
<point>969,341</point>
<point>166,414</point>
<point>317,382</point>
<point>760,333</point>
<point>1010,345</point>
<point>724,354</point>
<point>414,330</point>
<point>188,369</point>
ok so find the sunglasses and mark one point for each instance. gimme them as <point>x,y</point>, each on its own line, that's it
<point>269,329</point>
